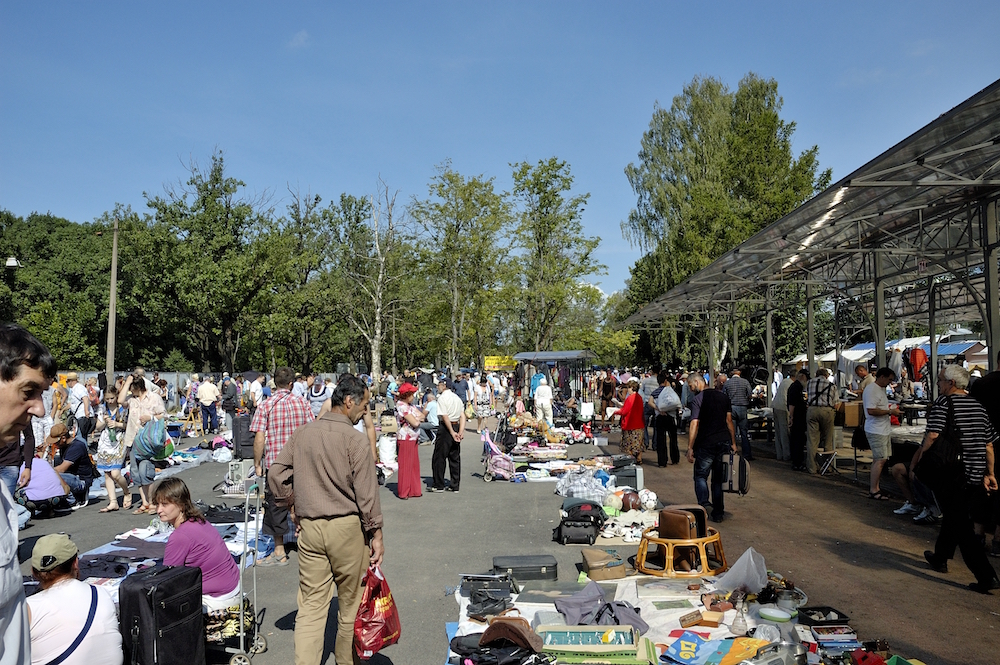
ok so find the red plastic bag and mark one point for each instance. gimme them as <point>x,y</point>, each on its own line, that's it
<point>377,625</point>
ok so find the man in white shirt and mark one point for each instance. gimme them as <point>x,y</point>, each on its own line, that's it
<point>59,613</point>
<point>208,396</point>
<point>301,386</point>
<point>448,444</point>
<point>878,425</point>
<point>79,403</point>
<point>257,390</point>
<point>543,401</point>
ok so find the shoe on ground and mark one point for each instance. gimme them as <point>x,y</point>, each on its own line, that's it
<point>451,489</point>
<point>80,505</point>
<point>907,509</point>
<point>932,561</point>
<point>436,489</point>
<point>995,549</point>
<point>979,587</point>
<point>272,560</point>
<point>925,517</point>
<point>716,518</point>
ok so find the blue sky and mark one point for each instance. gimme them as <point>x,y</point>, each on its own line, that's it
<point>100,102</point>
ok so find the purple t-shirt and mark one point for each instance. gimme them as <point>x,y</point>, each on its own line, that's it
<point>44,483</point>
<point>199,544</point>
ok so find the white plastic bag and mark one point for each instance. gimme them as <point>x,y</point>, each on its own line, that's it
<point>222,455</point>
<point>749,571</point>
<point>387,451</point>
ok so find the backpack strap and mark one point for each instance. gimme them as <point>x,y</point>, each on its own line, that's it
<point>83,633</point>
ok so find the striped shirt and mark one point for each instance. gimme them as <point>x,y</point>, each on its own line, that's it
<point>975,431</point>
<point>821,392</point>
<point>738,391</point>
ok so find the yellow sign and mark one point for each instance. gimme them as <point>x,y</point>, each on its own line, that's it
<point>499,363</point>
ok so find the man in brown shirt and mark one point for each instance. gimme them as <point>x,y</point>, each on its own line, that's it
<point>326,477</point>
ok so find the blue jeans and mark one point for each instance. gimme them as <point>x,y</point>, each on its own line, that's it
<point>742,429</point>
<point>209,417</point>
<point>707,460</point>
<point>9,476</point>
<point>78,489</point>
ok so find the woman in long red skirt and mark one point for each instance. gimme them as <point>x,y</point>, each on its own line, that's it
<point>408,417</point>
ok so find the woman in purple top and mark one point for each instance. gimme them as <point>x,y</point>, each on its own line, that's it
<point>195,542</point>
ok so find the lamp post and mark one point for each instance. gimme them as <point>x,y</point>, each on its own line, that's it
<point>112,306</point>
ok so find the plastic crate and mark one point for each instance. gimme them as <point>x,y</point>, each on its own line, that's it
<point>807,620</point>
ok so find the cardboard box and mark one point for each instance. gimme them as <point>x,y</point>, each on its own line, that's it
<point>852,414</point>
<point>601,564</point>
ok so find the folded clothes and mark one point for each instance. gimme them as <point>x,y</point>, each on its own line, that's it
<point>143,533</point>
<point>102,565</point>
<point>136,548</point>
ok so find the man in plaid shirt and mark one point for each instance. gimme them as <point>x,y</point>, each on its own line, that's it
<point>273,423</point>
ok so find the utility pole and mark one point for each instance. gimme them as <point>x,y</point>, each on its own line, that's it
<point>112,307</point>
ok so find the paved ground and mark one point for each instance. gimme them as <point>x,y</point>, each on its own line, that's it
<point>843,549</point>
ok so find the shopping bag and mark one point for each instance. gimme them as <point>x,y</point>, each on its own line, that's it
<point>152,441</point>
<point>377,625</point>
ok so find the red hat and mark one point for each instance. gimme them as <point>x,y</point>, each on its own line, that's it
<point>406,389</point>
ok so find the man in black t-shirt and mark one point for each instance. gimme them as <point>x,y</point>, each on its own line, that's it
<point>987,392</point>
<point>711,436</point>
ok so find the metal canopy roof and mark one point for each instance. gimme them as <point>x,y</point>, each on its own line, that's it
<point>554,356</point>
<point>912,215</point>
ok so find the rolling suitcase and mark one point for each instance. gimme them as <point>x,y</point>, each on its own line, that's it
<point>577,532</point>
<point>531,567</point>
<point>242,438</point>
<point>741,483</point>
<point>160,616</point>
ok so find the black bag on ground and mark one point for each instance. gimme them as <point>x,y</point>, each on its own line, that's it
<point>859,440</point>
<point>242,438</point>
<point>160,616</point>
<point>941,466</point>
<point>741,483</point>
<point>528,567</point>
<point>577,532</point>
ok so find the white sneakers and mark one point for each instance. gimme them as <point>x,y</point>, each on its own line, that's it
<point>907,509</point>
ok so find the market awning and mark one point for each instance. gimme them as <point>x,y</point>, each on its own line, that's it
<point>554,356</point>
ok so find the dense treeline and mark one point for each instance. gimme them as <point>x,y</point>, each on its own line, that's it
<point>212,278</point>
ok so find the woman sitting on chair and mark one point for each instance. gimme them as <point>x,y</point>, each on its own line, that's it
<point>196,543</point>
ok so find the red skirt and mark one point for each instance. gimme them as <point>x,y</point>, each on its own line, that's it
<point>409,469</point>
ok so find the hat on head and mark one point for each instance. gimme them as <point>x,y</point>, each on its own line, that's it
<point>51,551</point>
<point>58,431</point>
<point>225,375</point>
<point>407,389</point>
<point>72,376</point>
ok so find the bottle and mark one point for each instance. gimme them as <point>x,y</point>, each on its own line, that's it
<point>739,625</point>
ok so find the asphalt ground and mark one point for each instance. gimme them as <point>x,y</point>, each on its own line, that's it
<point>843,549</point>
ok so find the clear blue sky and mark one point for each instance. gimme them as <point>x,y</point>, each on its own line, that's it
<point>101,101</point>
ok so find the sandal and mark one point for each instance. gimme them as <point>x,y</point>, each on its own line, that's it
<point>108,509</point>
<point>143,510</point>
<point>272,560</point>
<point>878,496</point>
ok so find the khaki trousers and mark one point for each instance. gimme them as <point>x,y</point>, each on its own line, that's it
<point>819,427</point>
<point>331,552</point>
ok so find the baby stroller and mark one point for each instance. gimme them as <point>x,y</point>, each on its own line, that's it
<point>497,463</point>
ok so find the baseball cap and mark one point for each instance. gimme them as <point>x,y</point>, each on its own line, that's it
<point>51,551</point>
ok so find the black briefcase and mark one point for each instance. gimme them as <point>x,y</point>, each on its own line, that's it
<point>160,616</point>
<point>242,438</point>
<point>529,567</point>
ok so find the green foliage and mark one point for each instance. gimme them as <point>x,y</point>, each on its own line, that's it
<point>176,362</point>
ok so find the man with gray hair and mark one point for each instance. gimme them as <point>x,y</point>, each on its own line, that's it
<point>822,400</point>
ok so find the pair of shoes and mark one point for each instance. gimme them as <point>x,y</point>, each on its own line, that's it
<point>612,530</point>
<point>932,561</point>
<point>435,489</point>
<point>907,509</point>
<point>272,560</point>
<point>717,518</point>
<point>451,489</point>
<point>925,517</point>
<point>632,534</point>
<point>78,506</point>
<point>878,496</point>
<point>979,587</point>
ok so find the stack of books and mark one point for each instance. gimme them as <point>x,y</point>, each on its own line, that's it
<point>835,640</point>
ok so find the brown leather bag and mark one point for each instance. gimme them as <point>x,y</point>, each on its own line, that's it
<point>506,617</point>
<point>683,522</point>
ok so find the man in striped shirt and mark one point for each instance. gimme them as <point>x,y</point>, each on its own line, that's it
<point>965,502</point>
<point>738,390</point>
<point>822,399</point>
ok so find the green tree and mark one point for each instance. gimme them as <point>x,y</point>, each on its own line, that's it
<point>466,221</point>
<point>553,252</point>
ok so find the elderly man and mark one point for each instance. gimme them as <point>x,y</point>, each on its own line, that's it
<point>325,477</point>
<point>273,423</point>
<point>964,500</point>
<point>738,390</point>
<point>448,444</point>
<point>822,401</point>
<point>208,397</point>
<point>71,621</point>
<point>878,426</point>
<point>26,369</point>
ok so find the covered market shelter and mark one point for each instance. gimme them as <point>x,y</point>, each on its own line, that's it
<point>913,235</point>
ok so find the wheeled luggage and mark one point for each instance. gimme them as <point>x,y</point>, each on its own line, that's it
<point>530,567</point>
<point>739,484</point>
<point>582,532</point>
<point>242,438</point>
<point>160,616</point>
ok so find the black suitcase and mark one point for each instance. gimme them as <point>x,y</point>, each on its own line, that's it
<point>160,616</point>
<point>531,567</point>
<point>576,532</point>
<point>741,483</point>
<point>242,438</point>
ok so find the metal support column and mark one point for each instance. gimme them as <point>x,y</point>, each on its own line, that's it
<point>712,338</point>
<point>879,312</point>
<point>736,338</point>
<point>932,326</point>
<point>768,348</point>
<point>991,254</point>
<point>839,349</point>
<point>810,333</point>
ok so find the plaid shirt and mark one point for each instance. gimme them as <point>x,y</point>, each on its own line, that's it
<point>279,416</point>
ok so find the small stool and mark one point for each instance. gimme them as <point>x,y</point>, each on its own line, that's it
<point>193,422</point>
<point>695,557</point>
